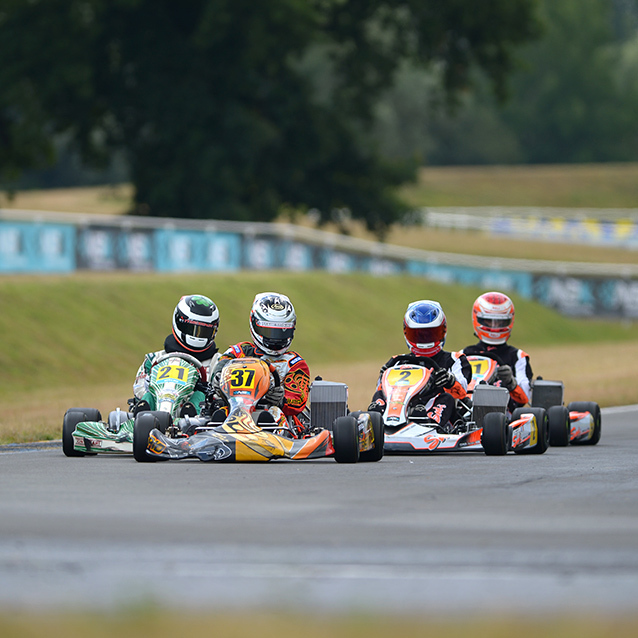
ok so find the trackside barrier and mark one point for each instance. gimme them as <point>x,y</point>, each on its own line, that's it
<point>586,226</point>
<point>46,242</point>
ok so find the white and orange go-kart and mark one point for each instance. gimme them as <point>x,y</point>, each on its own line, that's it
<point>482,424</point>
<point>577,423</point>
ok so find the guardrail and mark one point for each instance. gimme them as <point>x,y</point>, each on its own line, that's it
<point>49,242</point>
<point>602,227</point>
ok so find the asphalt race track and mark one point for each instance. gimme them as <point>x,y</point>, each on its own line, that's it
<point>525,534</point>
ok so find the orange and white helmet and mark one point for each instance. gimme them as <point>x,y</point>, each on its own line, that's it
<point>493,317</point>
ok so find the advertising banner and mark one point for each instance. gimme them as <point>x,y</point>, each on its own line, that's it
<point>36,248</point>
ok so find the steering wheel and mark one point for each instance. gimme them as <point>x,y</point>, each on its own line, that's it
<point>489,355</point>
<point>416,360</point>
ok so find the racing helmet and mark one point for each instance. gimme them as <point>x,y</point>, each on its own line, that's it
<point>195,322</point>
<point>272,322</point>
<point>425,327</point>
<point>493,318</point>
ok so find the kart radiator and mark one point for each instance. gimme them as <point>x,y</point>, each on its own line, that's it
<point>488,398</point>
<point>545,394</point>
<point>328,400</point>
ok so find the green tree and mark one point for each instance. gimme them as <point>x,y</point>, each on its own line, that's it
<point>211,102</point>
<point>571,104</point>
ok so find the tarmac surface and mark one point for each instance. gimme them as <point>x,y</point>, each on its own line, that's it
<point>519,534</point>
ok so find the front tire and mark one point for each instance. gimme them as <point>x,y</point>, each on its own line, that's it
<point>594,409</point>
<point>495,434</point>
<point>542,443</point>
<point>72,417</point>
<point>144,423</point>
<point>345,436</point>
<point>559,426</point>
<point>378,431</point>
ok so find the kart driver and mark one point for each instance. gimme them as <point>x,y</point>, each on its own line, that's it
<point>272,327</point>
<point>493,318</point>
<point>195,324</point>
<point>425,330</point>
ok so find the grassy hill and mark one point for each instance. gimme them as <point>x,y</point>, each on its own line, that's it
<point>78,340</point>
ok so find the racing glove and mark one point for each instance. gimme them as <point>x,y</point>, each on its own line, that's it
<point>505,376</point>
<point>377,406</point>
<point>442,378</point>
<point>275,395</point>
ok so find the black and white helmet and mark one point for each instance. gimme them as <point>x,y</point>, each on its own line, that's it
<point>272,322</point>
<point>195,322</point>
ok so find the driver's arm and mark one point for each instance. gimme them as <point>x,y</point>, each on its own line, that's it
<point>462,372</point>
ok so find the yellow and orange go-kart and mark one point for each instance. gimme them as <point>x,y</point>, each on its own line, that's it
<point>245,435</point>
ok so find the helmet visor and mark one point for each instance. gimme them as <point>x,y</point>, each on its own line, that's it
<point>274,334</point>
<point>197,329</point>
<point>494,324</point>
<point>433,334</point>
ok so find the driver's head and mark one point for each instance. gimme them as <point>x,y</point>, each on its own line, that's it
<point>425,327</point>
<point>272,322</point>
<point>493,317</point>
<point>195,322</point>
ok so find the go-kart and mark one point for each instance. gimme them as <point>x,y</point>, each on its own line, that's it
<point>578,423</point>
<point>483,423</point>
<point>244,431</point>
<point>172,380</point>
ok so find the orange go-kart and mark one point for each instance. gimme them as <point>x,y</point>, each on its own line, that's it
<point>247,433</point>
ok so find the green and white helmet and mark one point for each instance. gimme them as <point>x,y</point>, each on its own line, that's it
<point>195,322</point>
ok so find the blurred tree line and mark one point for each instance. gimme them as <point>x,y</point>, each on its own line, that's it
<point>572,99</point>
<point>236,109</point>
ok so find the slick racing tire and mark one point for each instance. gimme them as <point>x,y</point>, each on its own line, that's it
<point>495,434</point>
<point>594,410</point>
<point>559,426</point>
<point>543,430</point>
<point>345,436</point>
<point>378,431</point>
<point>144,423</point>
<point>72,417</point>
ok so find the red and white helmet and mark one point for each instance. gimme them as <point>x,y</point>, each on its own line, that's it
<point>425,327</point>
<point>493,318</point>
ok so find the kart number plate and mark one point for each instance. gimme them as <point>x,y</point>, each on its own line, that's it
<point>405,377</point>
<point>242,379</point>
<point>174,373</point>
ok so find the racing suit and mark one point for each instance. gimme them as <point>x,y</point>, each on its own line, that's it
<point>292,369</point>
<point>208,358</point>
<point>441,407</point>
<point>518,361</point>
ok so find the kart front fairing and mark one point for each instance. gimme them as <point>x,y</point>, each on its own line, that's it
<point>424,437</point>
<point>172,382</point>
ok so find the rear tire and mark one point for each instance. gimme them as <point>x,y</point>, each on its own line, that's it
<point>376,453</point>
<point>345,436</point>
<point>559,426</point>
<point>72,417</point>
<point>144,423</point>
<point>540,414</point>
<point>495,434</point>
<point>594,409</point>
